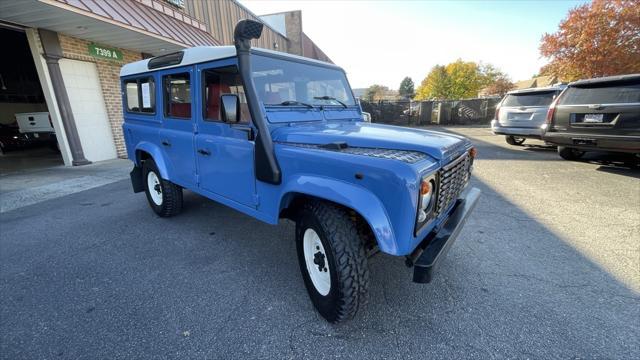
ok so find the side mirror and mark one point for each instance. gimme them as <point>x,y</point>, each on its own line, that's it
<point>230,108</point>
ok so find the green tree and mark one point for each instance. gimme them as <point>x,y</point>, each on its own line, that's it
<point>406,89</point>
<point>375,92</point>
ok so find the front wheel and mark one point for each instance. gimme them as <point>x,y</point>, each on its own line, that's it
<point>165,197</point>
<point>514,140</point>
<point>568,153</point>
<point>332,260</point>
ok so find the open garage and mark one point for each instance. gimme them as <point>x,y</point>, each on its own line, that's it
<point>27,136</point>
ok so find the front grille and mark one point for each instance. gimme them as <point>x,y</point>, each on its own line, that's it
<point>453,178</point>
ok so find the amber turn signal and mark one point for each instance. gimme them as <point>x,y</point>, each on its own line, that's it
<point>473,152</point>
<point>425,187</point>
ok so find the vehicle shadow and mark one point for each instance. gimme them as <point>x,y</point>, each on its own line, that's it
<point>536,147</point>
<point>613,163</point>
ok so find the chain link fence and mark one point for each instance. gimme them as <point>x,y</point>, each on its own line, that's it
<point>441,112</point>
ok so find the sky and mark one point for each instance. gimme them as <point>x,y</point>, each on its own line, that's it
<point>381,42</point>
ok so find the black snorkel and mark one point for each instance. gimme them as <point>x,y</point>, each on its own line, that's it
<point>265,163</point>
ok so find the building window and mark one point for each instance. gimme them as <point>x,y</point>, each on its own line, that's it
<point>177,96</point>
<point>223,81</point>
<point>140,92</point>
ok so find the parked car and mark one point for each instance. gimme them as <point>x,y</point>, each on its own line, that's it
<point>38,128</point>
<point>12,139</point>
<point>521,113</point>
<point>275,135</point>
<point>596,114</point>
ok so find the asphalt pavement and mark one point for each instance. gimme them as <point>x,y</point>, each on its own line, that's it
<point>547,267</point>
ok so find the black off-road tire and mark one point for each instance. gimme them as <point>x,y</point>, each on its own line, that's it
<point>514,140</point>
<point>171,193</point>
<point>346,257</point>
<point>568,153</point>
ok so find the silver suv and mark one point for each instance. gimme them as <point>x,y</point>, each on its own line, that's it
<point>521,113</point>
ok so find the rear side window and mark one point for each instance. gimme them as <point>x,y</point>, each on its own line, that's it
<point>223,81</point>
<point>140,95</point>
<point>625,93</point>
<point>530,99</point>
<point>177,96</point>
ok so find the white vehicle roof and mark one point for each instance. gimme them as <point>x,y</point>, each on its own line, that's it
<point>201,54</point>
<point>557,87</point>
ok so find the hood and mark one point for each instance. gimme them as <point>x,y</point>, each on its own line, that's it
<point>439,145</point>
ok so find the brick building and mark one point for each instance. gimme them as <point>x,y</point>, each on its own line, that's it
<point>66,57</point>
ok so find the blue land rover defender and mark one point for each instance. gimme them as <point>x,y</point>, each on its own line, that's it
<point>276,136</point>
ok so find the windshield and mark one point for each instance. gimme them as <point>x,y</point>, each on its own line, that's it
<point>281,82</point>
<point>530,99</point>
<point>625,93</point>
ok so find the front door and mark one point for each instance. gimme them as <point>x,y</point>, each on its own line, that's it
<point>177,133</point>
<point>224,151</point>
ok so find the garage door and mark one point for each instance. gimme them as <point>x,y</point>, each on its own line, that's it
<point>85,95</point>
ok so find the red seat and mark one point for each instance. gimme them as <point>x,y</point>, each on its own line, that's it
<point>182,110</point>
<point>213,99</point>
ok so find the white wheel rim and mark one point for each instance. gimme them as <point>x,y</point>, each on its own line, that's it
<point>317,263</point>
<point>155,190</point>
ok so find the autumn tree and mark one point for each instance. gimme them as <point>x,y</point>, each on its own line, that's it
<point>406,89</point>
<point>596,39</point>
<point>500,86</point>
<point>465,79</point>
<point>495,82</point>
<point>459,80</point>
<point>435,85</point>
<point>375,92</point>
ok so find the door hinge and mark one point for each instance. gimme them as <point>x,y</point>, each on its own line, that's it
<point>256,199</point>
<point>197,179</point>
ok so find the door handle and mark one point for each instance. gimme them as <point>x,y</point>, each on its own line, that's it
<point>204,152</point>
<point>166,143</point>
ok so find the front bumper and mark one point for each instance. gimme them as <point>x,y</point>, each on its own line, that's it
<point>436,244</point>
<point>497,129</point>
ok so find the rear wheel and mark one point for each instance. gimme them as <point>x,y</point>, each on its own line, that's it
<point>568,153</point>
<point>165,197</point>
<point>514,140</point>
<point>332,260</point>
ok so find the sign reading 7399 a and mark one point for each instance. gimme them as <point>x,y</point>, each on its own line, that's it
<point>102,52</point>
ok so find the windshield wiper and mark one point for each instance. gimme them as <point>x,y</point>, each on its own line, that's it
<point>330,98</point>
<point>294,102</point>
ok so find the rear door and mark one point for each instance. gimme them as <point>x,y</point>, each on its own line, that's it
<point>178,126</point>
<point>526,109</point>
<point>600,108</point>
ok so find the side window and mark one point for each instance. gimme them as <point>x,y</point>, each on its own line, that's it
<point>148,95</point>
<point>177,96</point>
<point>223,81</point>
<point>131,89</point>
<point>141,92</point>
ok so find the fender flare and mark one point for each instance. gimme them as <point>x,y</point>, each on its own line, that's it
<point>360,199</point>
<point>157,156</point>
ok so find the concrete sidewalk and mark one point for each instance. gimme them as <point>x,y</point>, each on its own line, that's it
<point>28,187</point>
